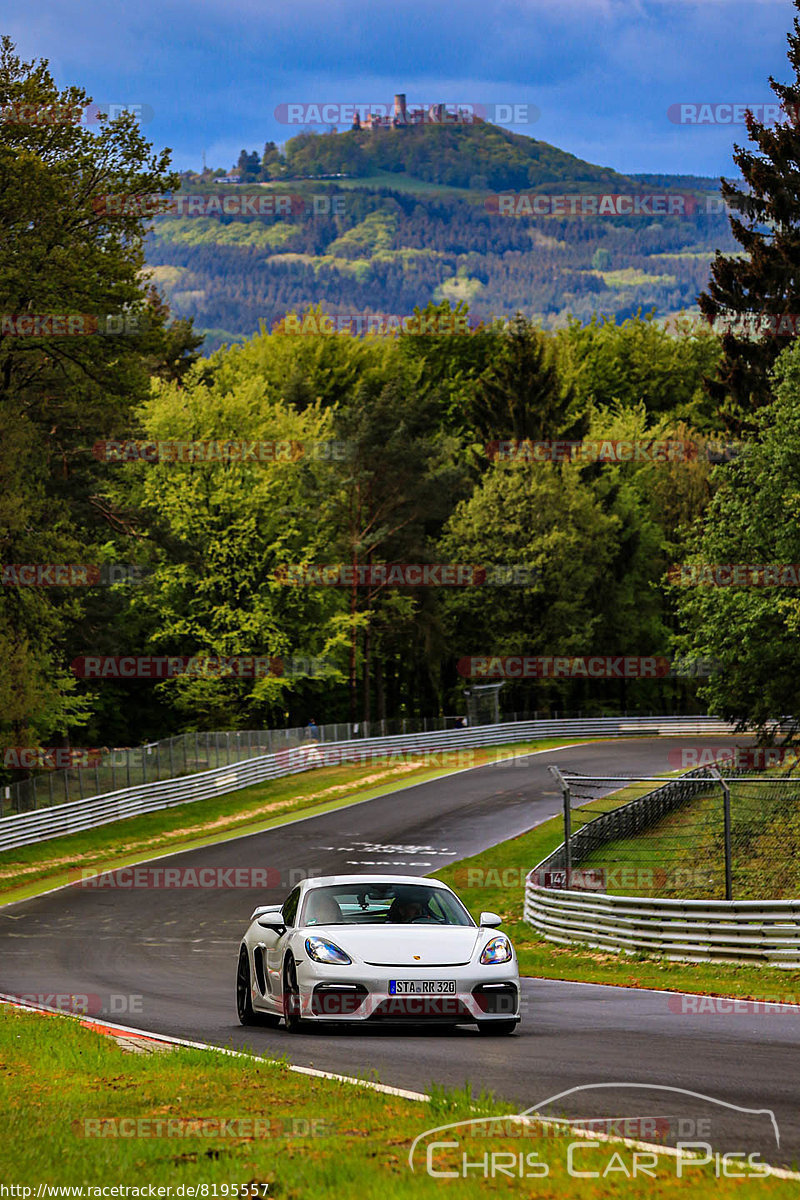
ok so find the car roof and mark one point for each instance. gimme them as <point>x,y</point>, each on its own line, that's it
<point>346,880</point>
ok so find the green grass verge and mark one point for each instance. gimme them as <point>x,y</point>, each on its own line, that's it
<point>30,870</point>
<point>495,881</point>
<point>80,1111</point>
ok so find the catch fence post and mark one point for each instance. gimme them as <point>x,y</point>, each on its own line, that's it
<point>567,798</point>
<point>726,825</point>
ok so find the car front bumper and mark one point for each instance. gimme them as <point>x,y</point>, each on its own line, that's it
<point>362,993</point>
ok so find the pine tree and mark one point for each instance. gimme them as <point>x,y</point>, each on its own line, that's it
<point>749,295</point>
<point>520,394</point>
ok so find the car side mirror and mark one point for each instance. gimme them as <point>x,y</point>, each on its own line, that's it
<point>272,923</point>
<point>490,920</point>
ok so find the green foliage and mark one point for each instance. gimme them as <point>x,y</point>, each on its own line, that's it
<point>62,251</point>
<point>760,279</point>
<point>753,632</point>
<point>520,394</point>
<point>640,361</point>
<point>539,516</point>
<point>458,156</point>
<point>220,533</point>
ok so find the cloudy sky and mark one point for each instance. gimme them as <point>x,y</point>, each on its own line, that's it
<point>604,75</point>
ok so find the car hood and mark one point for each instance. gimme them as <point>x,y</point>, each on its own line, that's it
<point>405,945</point>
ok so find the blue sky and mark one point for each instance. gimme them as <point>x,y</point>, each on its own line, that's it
<point>602,73</point>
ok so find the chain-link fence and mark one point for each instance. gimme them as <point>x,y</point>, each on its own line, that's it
<point>187,754</point>
<point>710,834</point>
<point>190,753</point>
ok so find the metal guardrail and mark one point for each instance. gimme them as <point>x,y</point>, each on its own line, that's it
<point>698,930</point>
<point>22,829</point>
<point>765,931</point>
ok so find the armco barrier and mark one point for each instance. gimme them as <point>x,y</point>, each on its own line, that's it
<point>24,828</point>
<point>766,931</point>
<point>740,930</point>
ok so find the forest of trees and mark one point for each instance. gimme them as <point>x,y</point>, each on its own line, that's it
<point>394,462</point>
<point>389,251</point>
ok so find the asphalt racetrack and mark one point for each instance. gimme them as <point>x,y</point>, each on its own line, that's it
<point>165,960</point>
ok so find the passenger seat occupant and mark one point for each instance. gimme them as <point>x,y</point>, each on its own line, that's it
<point>323,910</point>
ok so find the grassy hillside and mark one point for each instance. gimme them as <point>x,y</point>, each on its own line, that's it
<point>467,156</point>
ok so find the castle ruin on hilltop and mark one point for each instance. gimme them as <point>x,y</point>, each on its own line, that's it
<point>421,114</point>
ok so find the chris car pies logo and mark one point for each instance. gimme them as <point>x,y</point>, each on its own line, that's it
<point>671,1136</point>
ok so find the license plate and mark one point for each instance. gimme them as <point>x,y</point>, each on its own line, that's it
<point>422,987</point>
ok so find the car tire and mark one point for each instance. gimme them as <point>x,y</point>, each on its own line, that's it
<point>291,997</point>
<point>496,1028</point>
<point>244,1000</point>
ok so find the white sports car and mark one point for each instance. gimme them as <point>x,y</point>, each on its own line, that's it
<point>376,948</point>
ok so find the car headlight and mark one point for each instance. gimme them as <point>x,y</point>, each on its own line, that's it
<point>498,950</point>
<point>323,951</point>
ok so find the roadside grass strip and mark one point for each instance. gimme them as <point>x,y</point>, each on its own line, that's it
<point>495,881</point>
<point>80,1110</point>
<point>44,866</point>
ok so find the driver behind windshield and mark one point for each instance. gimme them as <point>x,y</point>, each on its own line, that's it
<point>404,910</point>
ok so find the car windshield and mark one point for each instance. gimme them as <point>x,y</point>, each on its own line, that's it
<point>383,904</point>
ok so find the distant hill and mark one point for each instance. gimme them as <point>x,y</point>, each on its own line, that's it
<point>474,156</point>
<point>413,222</point>
<point>692,183</point>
